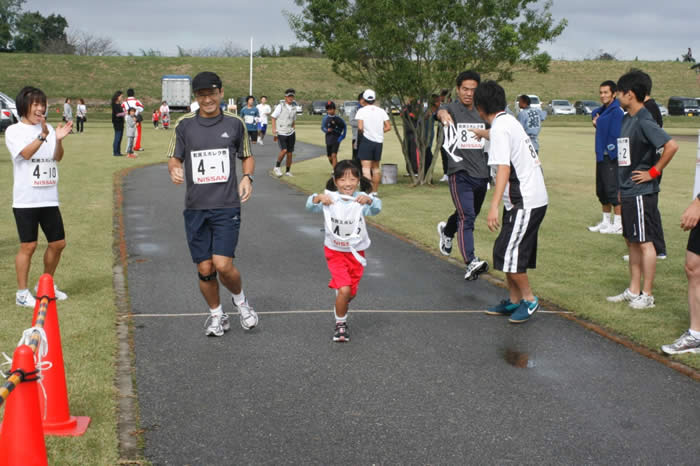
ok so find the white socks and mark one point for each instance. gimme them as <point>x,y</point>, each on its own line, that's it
<point>694,333</point>
<point>238,299</point>
<point>618,220</point>
<point>340,319</point>
<point>606,217</point>
<point>219,310</point>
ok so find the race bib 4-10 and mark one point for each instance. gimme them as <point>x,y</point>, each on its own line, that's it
<point>44,173</point>
<point>210,166</point>
<point>466,139</point>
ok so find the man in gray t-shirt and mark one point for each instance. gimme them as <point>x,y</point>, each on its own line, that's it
<point>638,174</point>
<point>203,154</point>
<point>467,172</point>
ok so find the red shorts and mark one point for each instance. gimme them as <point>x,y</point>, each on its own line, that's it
<point>344,268</point>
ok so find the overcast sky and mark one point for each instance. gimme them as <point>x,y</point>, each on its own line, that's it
<point>648,29</point>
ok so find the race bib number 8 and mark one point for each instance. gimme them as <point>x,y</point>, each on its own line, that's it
<point>466,139</point>
<point>44,173</point>
<point>623,152</point>
<point>210,166</point>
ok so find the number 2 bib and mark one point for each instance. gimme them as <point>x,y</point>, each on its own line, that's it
<point>44,173</point>
<point>210,166</point>
<point>623,152</point>
<point>466,139</point>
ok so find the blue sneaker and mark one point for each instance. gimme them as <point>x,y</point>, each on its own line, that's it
<point>504,308</point>
<point>526,310</point>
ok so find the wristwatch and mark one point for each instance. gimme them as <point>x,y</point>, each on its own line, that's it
<point>249,176</point>
<point>41,138</point>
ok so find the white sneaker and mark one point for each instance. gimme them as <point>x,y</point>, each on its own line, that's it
<point>596,228</point>
<point>261,142</point>
<point>25,299</point>
<point>659,257</point>
<point>611,229</point>
<point>643,301</point>
<point>686,343</point>
<point>445,245</point>
<point>626,295</point>
<point>444,179</point>
<point>60,295</point>
<point>288,174</point>
<point>225,324</point>
<point>277,171</point>
<point>213,325</point>
<point>249,318</point>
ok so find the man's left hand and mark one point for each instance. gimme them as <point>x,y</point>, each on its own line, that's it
<point>245,189</point>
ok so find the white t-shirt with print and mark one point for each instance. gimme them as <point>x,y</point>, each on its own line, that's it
<point>373,119</point>
<point>510,145</point>
<point>36,179</point>
<point>264,110</point>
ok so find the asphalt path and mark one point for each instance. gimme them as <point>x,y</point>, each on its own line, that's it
<point>427,378</point>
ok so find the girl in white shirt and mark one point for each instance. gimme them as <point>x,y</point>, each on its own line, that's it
<point>344,205</point>
<point>36,148</point>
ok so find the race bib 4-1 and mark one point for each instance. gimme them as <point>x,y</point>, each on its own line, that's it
<point>623,152</point>
<point>466,139</point>
<point>44,173</point>
<point>210,166</point>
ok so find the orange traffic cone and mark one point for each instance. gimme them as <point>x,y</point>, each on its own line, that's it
<point>57,419</point>
<point>22,438</point>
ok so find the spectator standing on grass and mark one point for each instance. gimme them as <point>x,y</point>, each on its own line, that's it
<point>133,102</point>
<point>118,114</point>
<point>443,153</point>
<point>653,108</point>
<point>130,132</point>
<point>156,118</point>
<point>264,110</point>
<point>640,138</point>
<point>356,135</point>
<point>203,155</point>
<point>607,120</point>
<point>164,114</point>
<point>520,183</point>
<point>467,170</point>
<point>531,119</point>
<point>36,149</point>
<point>372,122</point>
<point>67,111</point>
<point>80,115</point>
<point>689,342</point>
<point>335,130</point>
<point>283,129</point>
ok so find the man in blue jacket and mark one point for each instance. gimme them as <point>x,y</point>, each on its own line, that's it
<point>607,120</point>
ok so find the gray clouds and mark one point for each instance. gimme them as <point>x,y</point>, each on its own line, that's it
<point>648,29</point>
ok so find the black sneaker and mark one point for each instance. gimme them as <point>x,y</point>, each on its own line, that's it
<point>475,268</point>
<point>341,332</point>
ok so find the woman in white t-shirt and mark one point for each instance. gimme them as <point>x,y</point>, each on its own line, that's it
<point>80,115</point>
<point>36,148</point>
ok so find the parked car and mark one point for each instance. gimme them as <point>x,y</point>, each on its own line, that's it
<point>392,105</point>
<point>350,107</point>
<point>298,106</point>
<point>663,110</point>
<point>683,106</point>
<point>5,116</point>
<point>11,106</point>
<point>561,107</point>
<point>318,107</point>
<point>586,107</point>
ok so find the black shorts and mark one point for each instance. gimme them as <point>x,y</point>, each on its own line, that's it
<point>287,142</point>
<point>29,219</point>
<point>253,135</point>
<point>606,181</point>
<point>515,249</point>
<point>332,148</point>
<point>641,220</point>
<point>369,150</point>
<point>694,240</point>
<point>211,232</point>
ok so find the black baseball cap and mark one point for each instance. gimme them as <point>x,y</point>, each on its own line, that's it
<point>330,105</point>
<point>206,80</point>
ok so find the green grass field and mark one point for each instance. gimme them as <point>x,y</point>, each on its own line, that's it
<point>96,78</point>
